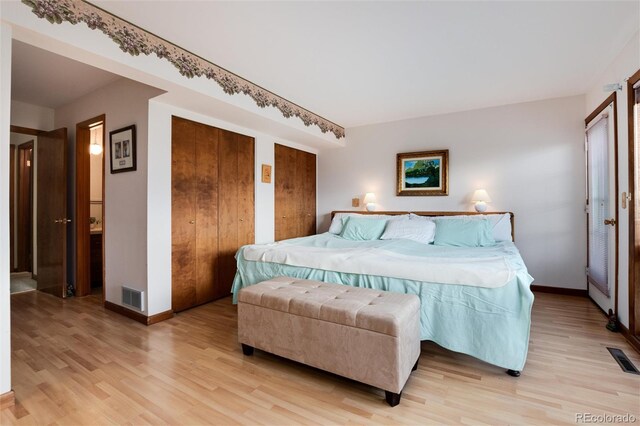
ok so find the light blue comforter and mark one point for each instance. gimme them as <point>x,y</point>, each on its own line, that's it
<point>491,324</point>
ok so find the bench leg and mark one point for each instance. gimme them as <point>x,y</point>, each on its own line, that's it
<point>392,398</point>
<point>247,350</point>
<point>513,373</point>
<point>415,367</point>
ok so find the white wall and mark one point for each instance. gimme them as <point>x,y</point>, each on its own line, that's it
<point>124,102</point>
<point>625,64</point>
<point>159,193</point>
<point>529,157</point>
<point>5,301</point>
<point>31,116</point>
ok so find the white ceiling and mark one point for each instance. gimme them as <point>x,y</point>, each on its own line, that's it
<point>43,78</point>
<point>365,62</point>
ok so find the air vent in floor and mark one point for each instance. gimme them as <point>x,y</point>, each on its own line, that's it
<point>622,360</point>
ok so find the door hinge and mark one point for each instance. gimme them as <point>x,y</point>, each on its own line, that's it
<point>586,270</point>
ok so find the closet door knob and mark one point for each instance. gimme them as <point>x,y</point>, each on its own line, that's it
<point>241,220</point>
<point>284,217</point>
<point>192,222</point>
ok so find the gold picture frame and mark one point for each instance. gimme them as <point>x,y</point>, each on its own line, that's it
<point>424,173</point>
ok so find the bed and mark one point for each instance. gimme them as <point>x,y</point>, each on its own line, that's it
<point>474,300</point>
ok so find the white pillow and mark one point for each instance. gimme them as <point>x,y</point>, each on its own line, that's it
<point>338,220</point>
<point>500,224</point>
<point>416,228</point>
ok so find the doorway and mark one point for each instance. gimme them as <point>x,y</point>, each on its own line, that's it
<point>21,169</point>
<point>633,110</point>
<point>38,205</point>
<point>601,205</point>
<point>90,229</point>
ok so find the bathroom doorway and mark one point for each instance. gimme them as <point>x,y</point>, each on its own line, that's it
<point>90,224</point>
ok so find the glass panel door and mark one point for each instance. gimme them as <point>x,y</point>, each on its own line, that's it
<point>601,209</point>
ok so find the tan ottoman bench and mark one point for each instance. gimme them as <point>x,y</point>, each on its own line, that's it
<point>366,335</point>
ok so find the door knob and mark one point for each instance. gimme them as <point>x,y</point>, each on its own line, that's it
<point>65,220</point>
<point>241,220</point>
<point>192,222</point>
<point>611,222</point>
<point>57,221</point>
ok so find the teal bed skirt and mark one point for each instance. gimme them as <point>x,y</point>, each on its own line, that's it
<point>491,324</point>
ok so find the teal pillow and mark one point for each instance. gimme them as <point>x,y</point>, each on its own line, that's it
<point>463,233</point>
<point>361,229</point>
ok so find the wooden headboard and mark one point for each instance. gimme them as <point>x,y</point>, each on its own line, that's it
<point>511,215</point>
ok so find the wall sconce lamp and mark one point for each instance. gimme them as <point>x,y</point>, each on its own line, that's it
<point>370,201</point>
<point>481,198</point>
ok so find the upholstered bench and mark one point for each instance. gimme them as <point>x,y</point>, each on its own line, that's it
<point>366,335</point>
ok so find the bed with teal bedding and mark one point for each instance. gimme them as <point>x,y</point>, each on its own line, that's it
<point>491,324</point>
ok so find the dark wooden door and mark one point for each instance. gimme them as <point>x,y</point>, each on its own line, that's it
<point>212,209</point>
<point>308,182</point>
<point>12,180</point>
<point>246,191</point>
<point>51,213</point>
<point>295,193</point>
<point>206,176</point>
<point>25,207</point>
<point>183,214</point>
<point>286,222</point>
<point>229,217</point>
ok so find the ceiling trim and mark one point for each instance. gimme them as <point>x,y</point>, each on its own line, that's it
<point>135,41</point>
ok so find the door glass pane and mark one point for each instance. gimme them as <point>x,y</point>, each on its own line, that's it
<point>598,180</point>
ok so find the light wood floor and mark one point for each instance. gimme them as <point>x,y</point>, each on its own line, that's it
<point>75,363</point>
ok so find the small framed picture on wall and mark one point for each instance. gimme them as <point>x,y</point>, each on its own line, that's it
<point>423,173</point>
<point>122,143</point>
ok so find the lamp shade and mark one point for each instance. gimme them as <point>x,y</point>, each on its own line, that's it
<point>481,195</point>
<point>369,197</point>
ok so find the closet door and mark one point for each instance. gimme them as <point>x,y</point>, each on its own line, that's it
<point>228,216</point>
<point>307,163</point>
<point>183,214</point>
<point>206,177</point>
<point>286,208</point>
<point>295,193</point>
<point>246,191</point>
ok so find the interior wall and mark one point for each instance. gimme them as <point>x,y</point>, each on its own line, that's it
<point>31,116</point>
<point>159,193</point>
<point>529,157</point>
<point>5,123</point>
<point>625,64</point>
<point>124,102</point>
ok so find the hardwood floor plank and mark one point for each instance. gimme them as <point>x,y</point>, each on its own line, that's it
<point>76,363</point>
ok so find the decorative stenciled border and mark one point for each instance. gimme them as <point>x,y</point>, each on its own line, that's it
<point>134,40</point>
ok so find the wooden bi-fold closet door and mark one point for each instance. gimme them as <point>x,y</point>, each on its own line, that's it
<point>295,193</point>
<point>212,173</point>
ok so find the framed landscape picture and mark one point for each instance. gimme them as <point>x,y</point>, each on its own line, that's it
<point>423,173</point>
<point>122,143</point>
